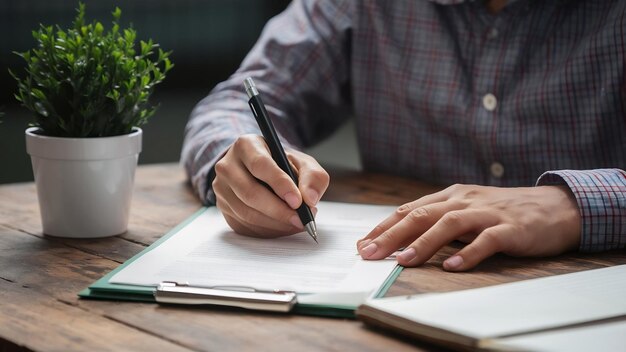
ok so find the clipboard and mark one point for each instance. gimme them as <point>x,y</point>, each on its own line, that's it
<point>242,297</point>
<point>246,298</point>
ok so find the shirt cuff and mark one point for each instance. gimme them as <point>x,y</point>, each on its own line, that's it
<point>601,198</point>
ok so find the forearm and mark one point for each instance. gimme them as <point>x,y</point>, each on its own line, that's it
<point>300,67</point>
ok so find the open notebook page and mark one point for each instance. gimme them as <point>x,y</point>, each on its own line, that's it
<point>208,253</point>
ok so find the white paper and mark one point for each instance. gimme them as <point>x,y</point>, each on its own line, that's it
<point>207,253</point>
<point>606,337</point>
<point>518,307</point>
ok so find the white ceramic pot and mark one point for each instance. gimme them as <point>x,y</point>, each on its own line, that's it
<point>84,185</point>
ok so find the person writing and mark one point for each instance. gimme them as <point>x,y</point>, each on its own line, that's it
<point>520,105</point>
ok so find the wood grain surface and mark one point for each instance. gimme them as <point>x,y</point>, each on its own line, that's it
<point>41,275</point>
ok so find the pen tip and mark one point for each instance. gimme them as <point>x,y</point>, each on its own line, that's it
<point>311,229</point>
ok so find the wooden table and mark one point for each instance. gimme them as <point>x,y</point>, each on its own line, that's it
<point>40,276</point>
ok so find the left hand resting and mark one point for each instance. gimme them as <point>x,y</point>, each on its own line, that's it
<point>530,221</point>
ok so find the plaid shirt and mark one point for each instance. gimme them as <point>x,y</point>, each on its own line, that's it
<point>445,92</point>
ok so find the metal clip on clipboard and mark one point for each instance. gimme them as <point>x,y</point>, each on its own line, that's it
<point>242,297</point>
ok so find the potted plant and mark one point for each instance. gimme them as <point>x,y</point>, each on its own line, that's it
<point>88,89</point>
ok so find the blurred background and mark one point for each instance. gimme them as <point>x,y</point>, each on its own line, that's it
<point>209,38</point>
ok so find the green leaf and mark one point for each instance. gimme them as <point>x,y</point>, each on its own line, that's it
<point>41,109</point>
<point>168,65</point>
<point>117,13</point>
<point>145,48</point>
<point>85,81</point>
<point>98,29</point>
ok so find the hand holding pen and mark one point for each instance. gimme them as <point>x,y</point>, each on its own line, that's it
<point>255,210</point>
<point>277,151</point>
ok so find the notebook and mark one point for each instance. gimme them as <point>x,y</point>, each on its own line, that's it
<point>473,318</point>
<point>202,261</point>
<point>605,337</point>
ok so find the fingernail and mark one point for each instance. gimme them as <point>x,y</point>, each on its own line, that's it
<point>407,255</point>
<point>313,196</point>
<point>453,262</point>
<point>292,200</point>
<point>369,250</point>
<point>363,243</point>
<point>295,221</point>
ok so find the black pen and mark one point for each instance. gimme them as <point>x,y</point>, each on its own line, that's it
<point>278,153</point>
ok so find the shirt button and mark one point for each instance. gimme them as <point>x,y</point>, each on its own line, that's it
<point>493,33</point>
<point>490,102</point>
<point>497,170</point>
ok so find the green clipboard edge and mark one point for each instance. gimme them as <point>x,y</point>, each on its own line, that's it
<point>102,289</point>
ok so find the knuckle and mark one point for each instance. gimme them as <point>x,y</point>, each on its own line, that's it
<point>320,176</point>
<point>216,186</point>
<point>304,156</point>
<point>452,219</point>
<point>221,167</point>
<point>471,193</point>
<point>284,181</point>
<point>241,142</point>
<point>282,184</point>
<point>464,192</point>
<point>455,187</point>
<point>417,215</point>
<point>379,229</point>
<point>425,242</point>
<point>386,237</point>
<point>285,218</point>
<point>490,235</point>
<point>403,210</point>
<point>258,164</point>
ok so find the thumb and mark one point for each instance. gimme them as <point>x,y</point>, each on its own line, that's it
<point>489,242</point>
